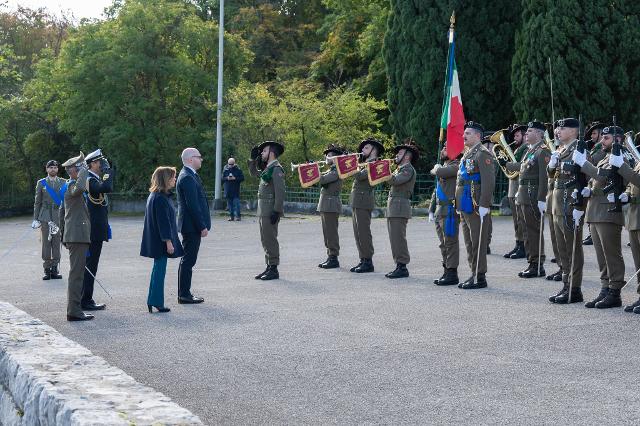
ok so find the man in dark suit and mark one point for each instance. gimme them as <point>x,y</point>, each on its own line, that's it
<point>101,177</point>
<point>194,220</point>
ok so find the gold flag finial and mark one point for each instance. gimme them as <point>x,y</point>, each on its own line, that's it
<point>453,19</point>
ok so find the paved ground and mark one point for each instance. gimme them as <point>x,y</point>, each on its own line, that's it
<point>334,347</point>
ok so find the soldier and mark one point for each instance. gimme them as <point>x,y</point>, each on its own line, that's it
<point>517,135</point>
<point>330,207</point>
<point>474,188</point>
<point>606,226</point>
<point>362,203</point>
<point>101,177</point>
<point>592,138</point>
<point>566,219</point>
<point>49,195</point>
<point>532,193</point>
<point>551,181</point>
<point>75,228</point>
<point>399,205</point>
<point>270,202</point>
<point>446,218</point>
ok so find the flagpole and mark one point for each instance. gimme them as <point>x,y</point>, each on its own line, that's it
<point>452,24</point>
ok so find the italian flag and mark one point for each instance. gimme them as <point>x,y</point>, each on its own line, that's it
<point>452,114</point>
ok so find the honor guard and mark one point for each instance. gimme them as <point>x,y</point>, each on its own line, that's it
<point>75,228</point>
<point>49,195</point>
<point>447,220</point>
<point>516,133</point>
<point>605,222</point>
<point>551,181</point>
<point>264,164</point>
<point>101,177</point>
<point>330,207</point>
<point>474,193</point>
<point>399,205</point>
<point>362,203</point>
<point>566,216</point>
<point>592,138</point>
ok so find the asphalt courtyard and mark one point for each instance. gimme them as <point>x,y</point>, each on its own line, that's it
<point>319,347</point>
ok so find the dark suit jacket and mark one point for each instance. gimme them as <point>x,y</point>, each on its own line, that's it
<point>232,187</point>
<point>160,226</point>
<point>99,213</point>
<point>193,208</point>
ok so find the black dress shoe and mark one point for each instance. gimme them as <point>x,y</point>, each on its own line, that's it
<point>450,277</point>
<point>564,289</point>
<point>603,293</point>
<point>55,275</point>
<point>330,263</point>
<point>613,300</point>
<point>401,271</point>
<point>93,306</point>
<point>556,276</point>
<point>630,308</point>
<point>576,297</point>
<point>190,300</point>
<point>481,282</point>
<point>636,310</point>
<point>532,271</point>
<point>257,277</point>
<point>365,266</point>
<point>159,308</point>
<point>271,274</point>
<point>508,255</point>
<point>357,266</point>
<point>444,272</point>
<point>467,281</point>
<point>520,253</point>
<point>84,317</point>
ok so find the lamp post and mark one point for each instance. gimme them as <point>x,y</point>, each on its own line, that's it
<point>217,193</point>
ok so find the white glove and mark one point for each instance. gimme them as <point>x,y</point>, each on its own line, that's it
<point>586,192</point>
<point>577,214</point>
<point>483,211</point>
<point>624,197</point>
<point>542,206</point>
<point>579,157</point>
<point>616,160</point>
<point>36,224</point>
<point>553,162</point>
<point>430,217</point>
<point>435,169</point>
<point>574,194</point>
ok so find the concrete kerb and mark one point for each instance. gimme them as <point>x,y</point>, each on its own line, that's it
<point>48,379</point>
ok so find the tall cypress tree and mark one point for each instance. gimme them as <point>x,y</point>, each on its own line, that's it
<point>415,51</point>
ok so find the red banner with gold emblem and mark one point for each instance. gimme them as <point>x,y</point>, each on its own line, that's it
<point>379,171</point>
<point>346,165</point>
<point>309,174</point>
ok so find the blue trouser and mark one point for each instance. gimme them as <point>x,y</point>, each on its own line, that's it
<point>156,286</point>
<point>234,206</point>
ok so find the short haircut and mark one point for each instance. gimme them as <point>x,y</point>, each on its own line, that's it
<point>186,154</point>
<point>160,179</point>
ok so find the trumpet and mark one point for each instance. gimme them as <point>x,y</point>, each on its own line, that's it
<point>501,149</point>
<point>295,166</point>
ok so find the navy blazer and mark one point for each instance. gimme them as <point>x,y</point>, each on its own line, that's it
<point>99,213</point>
<point>232,187</point>
<point>160,226</point>
<point>193,208</point>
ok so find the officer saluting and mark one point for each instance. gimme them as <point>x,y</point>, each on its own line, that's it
<point>474,193</point>
<point>101,177</point>
<point>49,195</point>
<point>330,207</point>
<point>270,202</point>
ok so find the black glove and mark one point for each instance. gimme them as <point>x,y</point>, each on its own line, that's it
<point>275,218</point>
<point>502,162</point>
<point>255,153</point>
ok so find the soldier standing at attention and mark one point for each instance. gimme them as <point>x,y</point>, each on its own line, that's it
<point>362,204</point>
<point>446,218</point>
<point>474,192</point>
<point>399,205</point>
<point>517,134</point>
<point>551,182</point>
<point>75,227</point>
<point>592,138</point>
<point>330,207</point>
<point>49,195</point>
<point>270,202</point>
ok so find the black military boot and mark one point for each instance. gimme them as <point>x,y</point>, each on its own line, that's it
<point>636,310</point>
<point>357,266</point>
<point>532,271</point>
<point>330,263</point>
<point>271,273</point>
<point>257,277</point>
<point>587,241</point>
<point>520,252</point>
<point>576,296</point>
<point>554,260</point>
<point>556,276</point>
<point>401,271</point>
<point>467,281</point>
<point>365,266</point>
<point>480,282</point>
<point>563,290</point>
<point>450,277</point>
<point>631,307</point>
<point>47,274</point>
<point>55,275</point>
<point>612,300</point>
<point>444,272</point>
<point>513,250</point>
<point>603,293</point>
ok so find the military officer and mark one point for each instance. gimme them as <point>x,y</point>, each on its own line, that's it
<point>75,227</point>
<point>447,220</point>
<point>606,225</point>
<point>516,133</point>
<point>474,193</point>
<point>567,219</point>
<point>270,202</point>
<point>551,181</point>
<point>49,195</point>
<point>592,138</point>
<point>101,177</point>
<point>362,204</point>
<point>399,205</point>
<point>330,207</point>
<point>532,194</point>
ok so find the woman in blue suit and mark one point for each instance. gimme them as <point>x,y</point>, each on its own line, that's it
<point>160,235</point>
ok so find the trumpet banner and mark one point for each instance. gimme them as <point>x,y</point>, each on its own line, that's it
<point>346,165</point>
<point>379,171</point>
<point>309,174</point>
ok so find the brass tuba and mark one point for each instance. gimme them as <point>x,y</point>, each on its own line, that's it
<point>630,148</point>
<point>501,149</point>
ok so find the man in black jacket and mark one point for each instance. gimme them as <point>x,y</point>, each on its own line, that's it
<point>194,220</point>
<point>232,177</point>
<point>100,179</point>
